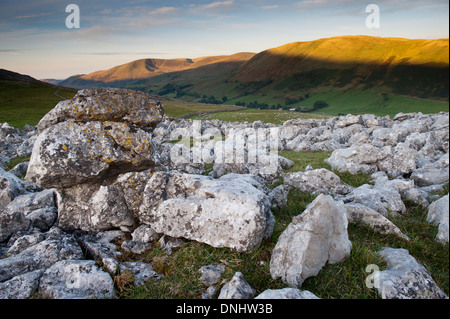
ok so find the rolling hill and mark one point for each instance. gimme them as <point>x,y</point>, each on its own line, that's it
<point>25,100</point>
<point>350,73</point>
<point>147,68</point>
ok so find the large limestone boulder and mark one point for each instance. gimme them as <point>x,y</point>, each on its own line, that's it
<point>100,133</point>
<point>72,152</point>
<point>233,211</point>
<point>315,237</point>
<point>106,104</point>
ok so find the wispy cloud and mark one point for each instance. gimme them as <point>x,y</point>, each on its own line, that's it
<point>122,53</point>
<point>218,4</point>
<point>164,10</point>
<point>270,7</point>
<point>36,15</point>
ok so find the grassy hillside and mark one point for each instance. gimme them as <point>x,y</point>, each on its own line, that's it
<point>26,103</point>
<point>147,68</point>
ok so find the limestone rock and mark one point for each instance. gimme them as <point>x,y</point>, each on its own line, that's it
<point>384,200</point>
<point>286,293</point>
<point>430,176</point>
<point>106,104</point>
<point>211,274</point>
<point>145,234</point>
<point>92,207</point>
<point>438,213</point>
<point>40,256</point>
<point>405,278</point>
<point>22,286</point>
<point>141,272</point>
<point>191,206</point>
<point>319,181</point>
<point>357,213</point>
<point>315,237</point>
<point>76,279</point>
<point>359,158</point>
<point>71,153</point>
<point>237,288</point>
<point>10,187</point>
<point>278,196</point>
<point>10,223</point>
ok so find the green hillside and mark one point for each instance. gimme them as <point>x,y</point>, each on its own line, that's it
<point>26,103</point>
<point>354,74</point>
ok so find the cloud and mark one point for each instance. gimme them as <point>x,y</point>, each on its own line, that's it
<point>271,7</point>
<point>164,10</point>
<point>218,4</point>
<point>122,53</point>
<point>32,16</point>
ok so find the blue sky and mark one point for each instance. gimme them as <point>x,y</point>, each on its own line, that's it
<point>34,38</point>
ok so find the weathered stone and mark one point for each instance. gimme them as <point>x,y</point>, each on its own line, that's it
<point>359,158</point>
<point>211,274</point>
<point>192,207</point>
<point>417,196</point>
<point>141,272</point>
<point>71,153</point>
<point>106,104</point>
<point>319,181</point>
<point>145,234</point>
<point>40,256</point>
<point>237,288</point>
<point>93,207</point>
<point>430,176</point>
<point>402,161</point>
<point>10,223</point>
<point>43,218</point>
<point>10,187</point>
<point>76,279</point>
<point>286,293</point>
<point>136,247</point>
<point>99,246</point>
<point>278,196</point>
<point>438,213</point>
<point>22,286</point>
<point>170,244</point>
<point>315,237</point>
<point>33,201</point>
<point>357,213</point>
<point>405,278</point>
<point>24,242</point>
<point>384,200</point>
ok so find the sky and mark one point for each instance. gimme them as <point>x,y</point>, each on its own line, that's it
<point>35,40</point>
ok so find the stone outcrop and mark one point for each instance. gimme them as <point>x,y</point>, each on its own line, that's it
<point>315,237</point>
<point>109,174</point>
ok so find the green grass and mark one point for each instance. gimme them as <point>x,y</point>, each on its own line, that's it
<point>344,280</point>
<point>22,103</point>
<point>16,160</point>
<point>176,108</point>
<point>367,102</point>
<point>252,115</point>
